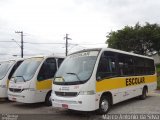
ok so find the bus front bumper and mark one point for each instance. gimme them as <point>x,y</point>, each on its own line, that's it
<point>23,97</point>
<point>3,92</point>
<point>79,103</point>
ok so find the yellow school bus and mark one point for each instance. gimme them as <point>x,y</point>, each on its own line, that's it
<point>32,81</point>
<point>95,79</point>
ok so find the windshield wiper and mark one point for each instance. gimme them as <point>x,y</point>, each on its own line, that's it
<point>22,77</point>
<point>75,75</point>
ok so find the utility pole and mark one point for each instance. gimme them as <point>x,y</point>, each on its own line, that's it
<point>67,38</point>
<point>21,32</point>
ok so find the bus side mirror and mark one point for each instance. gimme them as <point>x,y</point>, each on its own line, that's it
<point>98,78</point>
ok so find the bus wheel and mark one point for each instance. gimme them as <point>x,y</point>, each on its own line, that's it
<point>144,94</point>
<point>48,100</point>
<point>104,105</point>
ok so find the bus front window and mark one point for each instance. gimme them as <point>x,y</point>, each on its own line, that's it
<point>76,68</point>
<point>27,69</point>
<point>4,67</point>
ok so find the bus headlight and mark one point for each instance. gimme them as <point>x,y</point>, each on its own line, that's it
<point>53,92</point>
<point>91,92</point>
<point>12,79</point>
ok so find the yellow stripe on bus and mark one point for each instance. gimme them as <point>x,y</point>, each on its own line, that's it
<point>7,83</point>
<point>122,82</point>
<point>45,84</point>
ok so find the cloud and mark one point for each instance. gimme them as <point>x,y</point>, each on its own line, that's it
<point>129,12</point>
<point>87,21</point>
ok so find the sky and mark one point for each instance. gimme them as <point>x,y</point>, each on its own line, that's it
<point>86,21</point>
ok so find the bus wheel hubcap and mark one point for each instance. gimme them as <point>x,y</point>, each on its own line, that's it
<point>104,105</point>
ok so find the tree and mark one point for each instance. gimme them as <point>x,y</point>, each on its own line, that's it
<point>138,39</point>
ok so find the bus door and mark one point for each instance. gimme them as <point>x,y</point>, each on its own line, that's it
<point>45,76</point>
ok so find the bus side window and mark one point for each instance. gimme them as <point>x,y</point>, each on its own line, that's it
<point>48,69</point>
<point>14,69</point>
<point>60,60</point>
<point>126,65</point>
<point>149,67</point>
<point>107,67</point>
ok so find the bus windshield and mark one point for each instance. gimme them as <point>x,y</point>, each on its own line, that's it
<point>4,67</point>
<point>27,69</point>
<point>76,68</point>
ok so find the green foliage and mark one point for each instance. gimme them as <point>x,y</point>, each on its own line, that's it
<point>138,39</point>
<point>158,68</point>
<point>158,80</point>
<point>158,83</point>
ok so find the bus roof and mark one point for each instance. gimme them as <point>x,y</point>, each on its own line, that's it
<point>113,50</point>
<point>16,59</point>
<point>7,60</point>
<point>37,56</point>
<point>43,56</point>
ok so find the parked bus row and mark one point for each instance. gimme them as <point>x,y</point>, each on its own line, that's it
<point>87,80</point>
<point>28,80</point>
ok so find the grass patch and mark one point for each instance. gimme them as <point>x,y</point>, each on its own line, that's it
<point>158,80</point>
<point>158,83</point>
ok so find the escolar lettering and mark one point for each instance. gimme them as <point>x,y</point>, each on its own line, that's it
<point>135,81</point>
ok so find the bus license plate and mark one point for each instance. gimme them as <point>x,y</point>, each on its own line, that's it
<point>65,106</point>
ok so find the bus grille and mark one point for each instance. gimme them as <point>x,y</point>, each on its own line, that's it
<point>15,90</point>
<point>67,94</point>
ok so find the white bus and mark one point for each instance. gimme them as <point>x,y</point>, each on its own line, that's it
<point>7,68</point>
<point>95,79</point>
<point>32,81</point>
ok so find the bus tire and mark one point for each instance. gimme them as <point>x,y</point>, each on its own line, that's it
<point>104,105</point>
<point>48,101</point>
<point>144,93</point>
